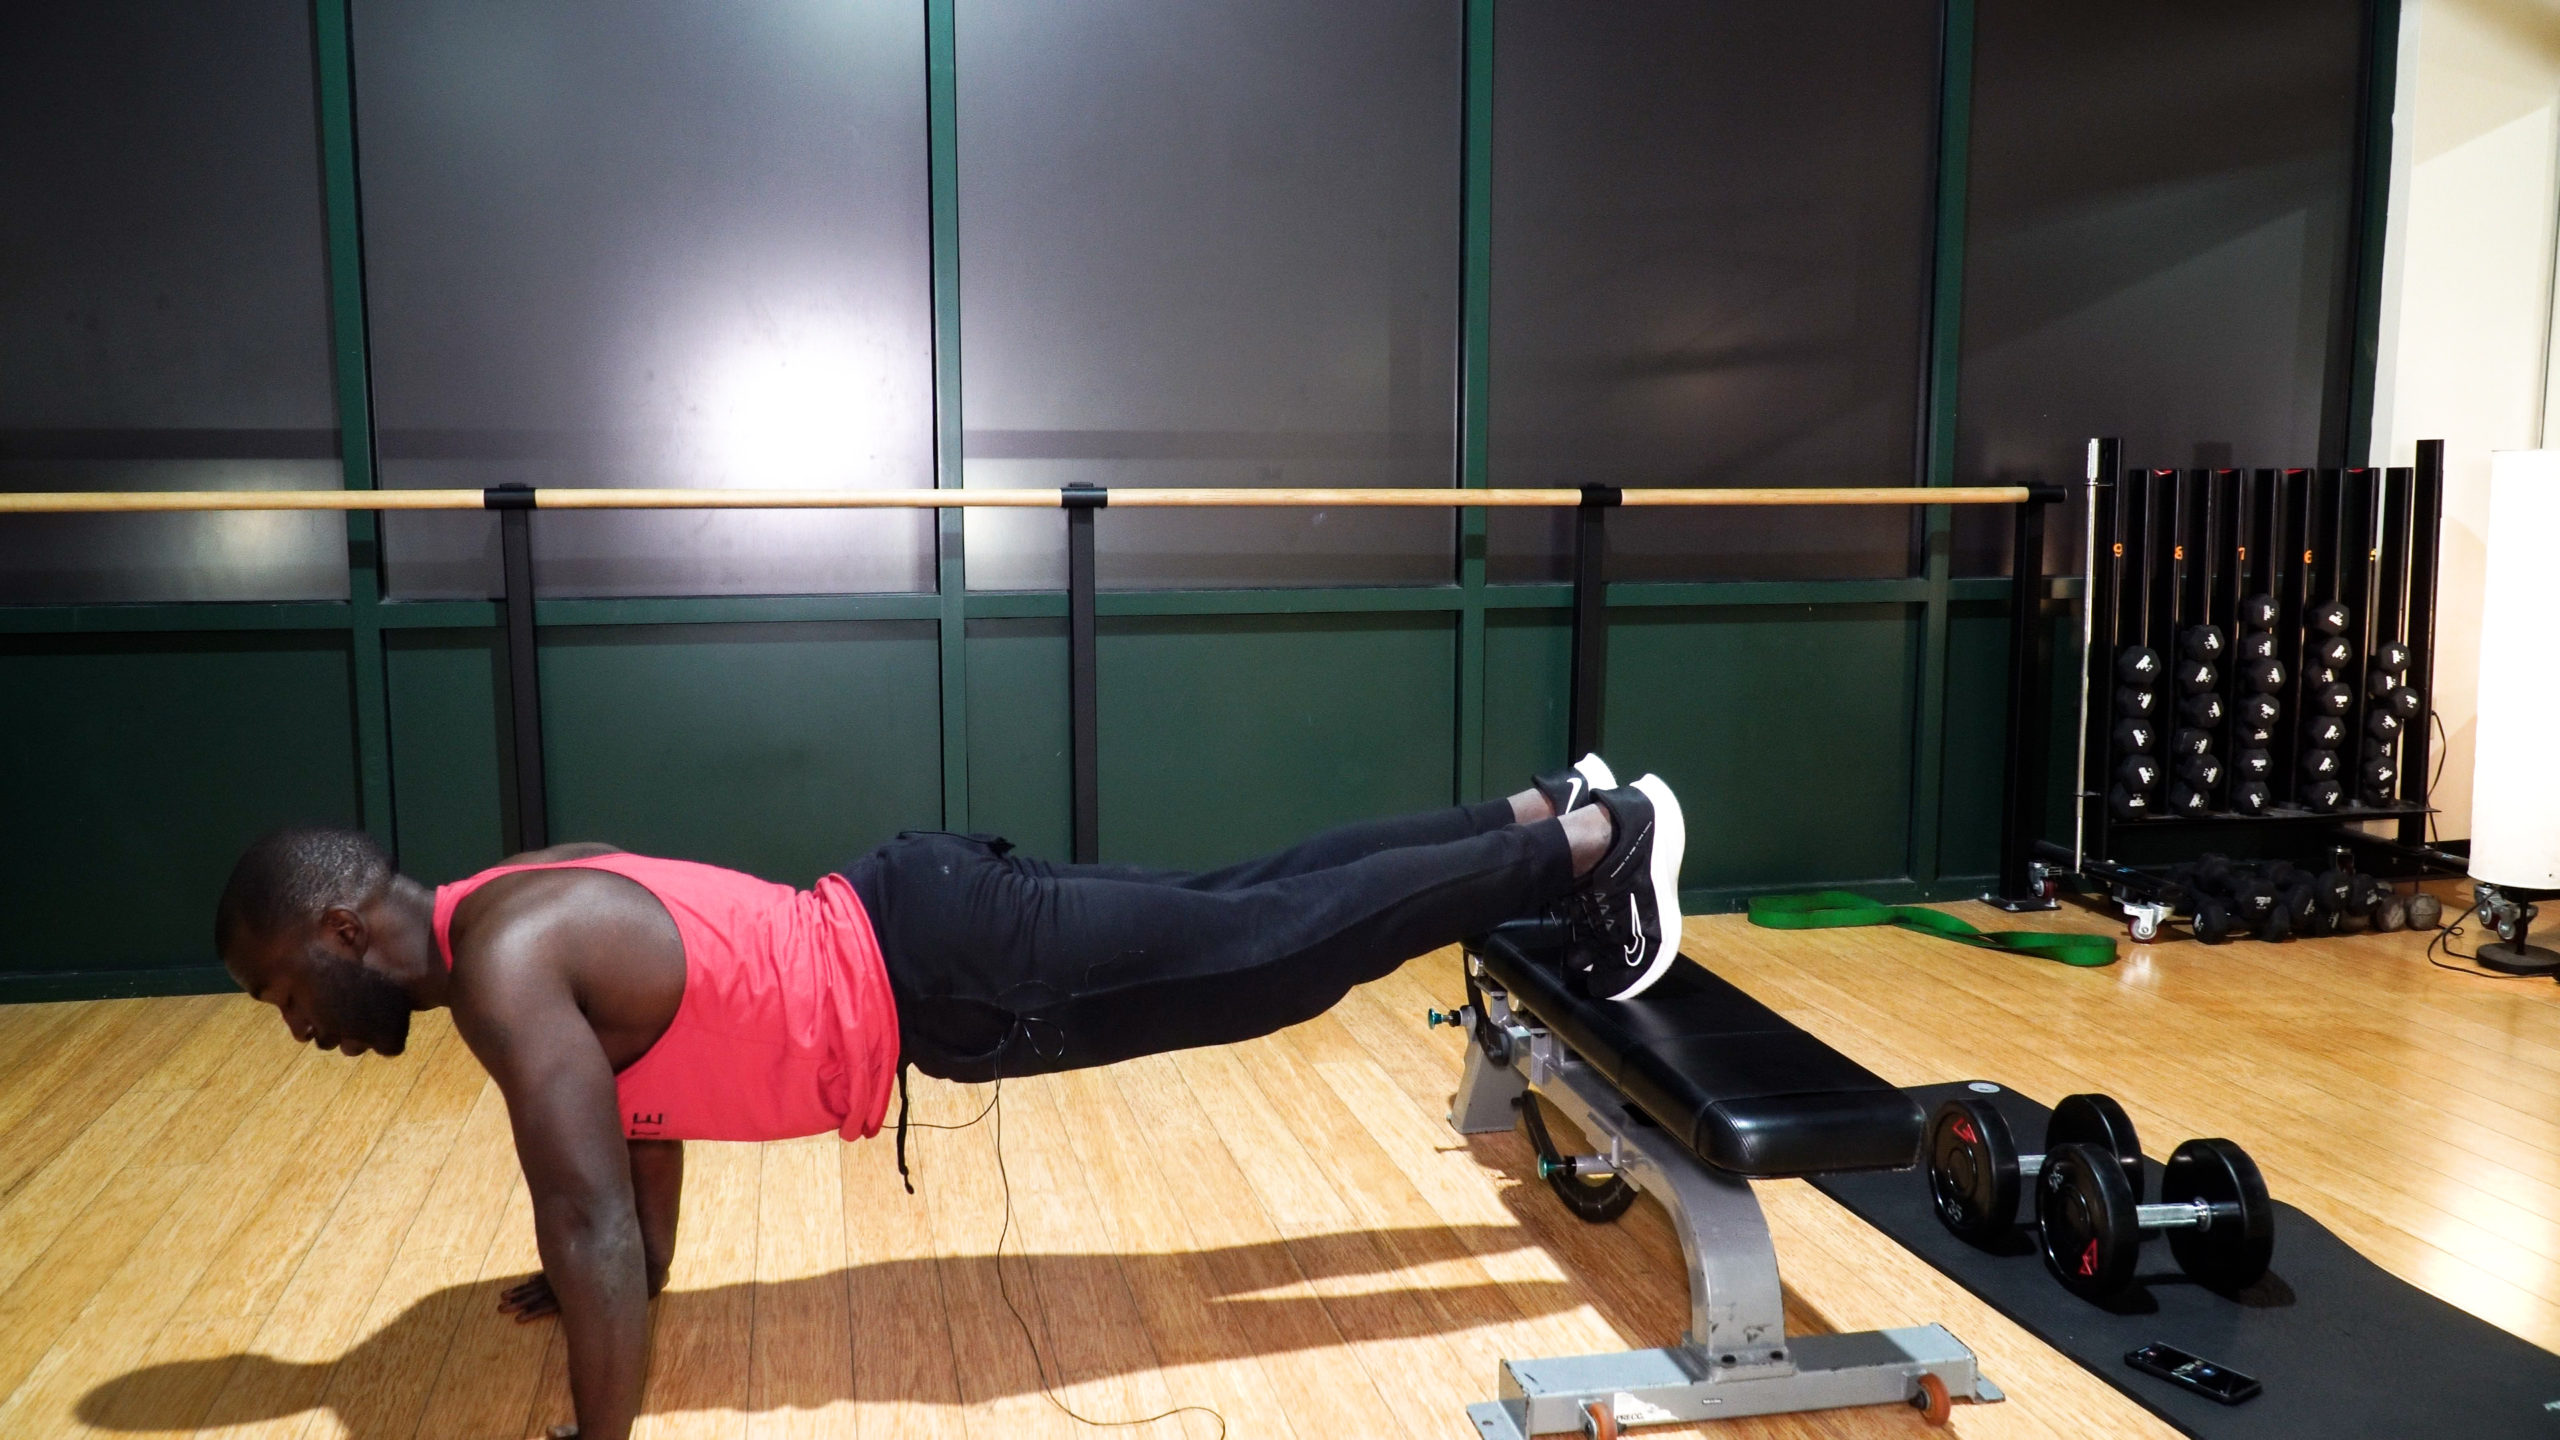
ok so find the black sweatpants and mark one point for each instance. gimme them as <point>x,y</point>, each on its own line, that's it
<point>1003,965</point>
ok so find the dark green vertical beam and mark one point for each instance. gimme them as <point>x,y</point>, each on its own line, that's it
<point>345,246</point>
<point>2372,228</point>
<point>1475,331</point>
<point>942,147</point>
<point>1938,429</point>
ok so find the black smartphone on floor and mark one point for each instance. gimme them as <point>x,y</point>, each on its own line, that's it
<point>2214,1382</point>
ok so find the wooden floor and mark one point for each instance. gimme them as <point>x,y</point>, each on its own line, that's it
<point>203,1227</point>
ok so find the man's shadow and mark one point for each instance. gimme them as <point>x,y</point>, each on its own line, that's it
<point>381,1388</point>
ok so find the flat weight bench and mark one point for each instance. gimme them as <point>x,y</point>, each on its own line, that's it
<point>1693,1090</point>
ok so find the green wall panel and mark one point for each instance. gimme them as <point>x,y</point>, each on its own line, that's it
<point>1528,682</point>
<point>1223,737</point>
<point>136,767</point>
<point>449,751</point>
<point>784,750</point>
<point>1785,731</point>
<point>1019,785</point>
<point>1977,735</point>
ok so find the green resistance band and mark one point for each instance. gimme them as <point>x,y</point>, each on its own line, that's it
<point>1831,909</point>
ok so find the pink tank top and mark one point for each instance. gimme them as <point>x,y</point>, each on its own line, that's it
<point>787,1027</point>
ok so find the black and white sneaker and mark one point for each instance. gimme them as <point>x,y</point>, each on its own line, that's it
<point>1627,913</point>
<point>1571,788</point>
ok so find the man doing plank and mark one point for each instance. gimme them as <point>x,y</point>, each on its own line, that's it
<point>625,1004</point>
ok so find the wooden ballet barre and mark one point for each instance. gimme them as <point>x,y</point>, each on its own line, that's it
<point>109,502</point>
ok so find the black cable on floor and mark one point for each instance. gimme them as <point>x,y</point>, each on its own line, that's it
<point>2444,937</point>
<point>995,1107</point>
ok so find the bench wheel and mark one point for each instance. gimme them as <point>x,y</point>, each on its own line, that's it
<point>1933,1402</point>
<point>1596,1202</point>
<point>1599,1422</point>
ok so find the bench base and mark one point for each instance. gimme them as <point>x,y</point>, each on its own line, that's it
<point>1736,1358</point>
<point>1660,1387</point>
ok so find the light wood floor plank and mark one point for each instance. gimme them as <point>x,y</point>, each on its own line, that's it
<point>28,1032</point>
<point>51,1292</point>
<point>382,1384</point>
<point>1213,1356</point>
<point>1100,1355</point>
<point>91,1079</point>
<point>1249,1261</point>
<point>320,1313</point>
<point>704,1329</point>
<point>801,1385</point>
<point>494,1366</point>
<point>121,1322</point>
<point>986,1284</point>
<point>904,1380</point>
<point>199,1349</point>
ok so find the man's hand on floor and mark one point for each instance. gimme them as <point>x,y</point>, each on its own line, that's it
<point>531,1300</point>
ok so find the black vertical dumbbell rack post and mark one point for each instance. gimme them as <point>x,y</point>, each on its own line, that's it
<point>2426,519</point>
<point>2306,500</point>
<point>2390,606</point>
<point>2101,624</point>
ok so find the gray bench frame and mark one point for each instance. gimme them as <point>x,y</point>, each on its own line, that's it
<point>1736,1358</point>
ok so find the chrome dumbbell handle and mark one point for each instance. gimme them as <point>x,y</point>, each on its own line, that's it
<point>2190,1215</point>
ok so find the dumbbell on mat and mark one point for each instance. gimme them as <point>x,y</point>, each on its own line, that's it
<point>2091,1222</point>
<point>1976,1174</point>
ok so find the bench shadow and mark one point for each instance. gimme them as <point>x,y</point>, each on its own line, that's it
<point>380,1387</point>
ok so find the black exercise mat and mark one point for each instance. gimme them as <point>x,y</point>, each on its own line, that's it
<point>2342,1347</point>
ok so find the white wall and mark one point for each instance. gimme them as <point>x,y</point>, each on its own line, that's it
<point>2466,335</point>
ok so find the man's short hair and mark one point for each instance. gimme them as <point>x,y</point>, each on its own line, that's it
<point>287,877</point>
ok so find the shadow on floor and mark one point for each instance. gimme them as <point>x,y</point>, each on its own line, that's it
<point>455,1341</point>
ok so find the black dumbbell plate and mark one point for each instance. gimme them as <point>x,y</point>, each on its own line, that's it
<point>2231,1253</point>
<point>1973,1169</point>
<point>2086,1225</point>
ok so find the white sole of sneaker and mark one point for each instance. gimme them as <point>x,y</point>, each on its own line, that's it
<point>1670,839</point>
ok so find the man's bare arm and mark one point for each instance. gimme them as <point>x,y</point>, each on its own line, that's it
<point>656,1197</point>
<point>522,1022</point>
<point>657,1190</point>
<point>657,1193</point>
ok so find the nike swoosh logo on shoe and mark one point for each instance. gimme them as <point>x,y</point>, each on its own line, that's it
<point>1573,796</point>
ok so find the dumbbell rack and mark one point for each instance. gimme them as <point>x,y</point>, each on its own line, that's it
<point>2173,552</point>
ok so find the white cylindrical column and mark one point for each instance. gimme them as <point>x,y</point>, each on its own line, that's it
<point>2515,786</point>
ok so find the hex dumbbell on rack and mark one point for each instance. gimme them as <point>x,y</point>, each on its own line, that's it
<point>2091,1222</point>
<point>1977,1176</point>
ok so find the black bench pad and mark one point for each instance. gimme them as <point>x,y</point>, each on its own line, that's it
<point>1744,1089</point>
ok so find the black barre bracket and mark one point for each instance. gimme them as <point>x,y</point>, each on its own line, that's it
<point>2021,780</point>
<point>1590,617</point>
<point>1084,716</point>
<point>514,504</point>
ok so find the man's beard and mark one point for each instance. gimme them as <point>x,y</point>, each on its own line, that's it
<point>354,1003</point>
